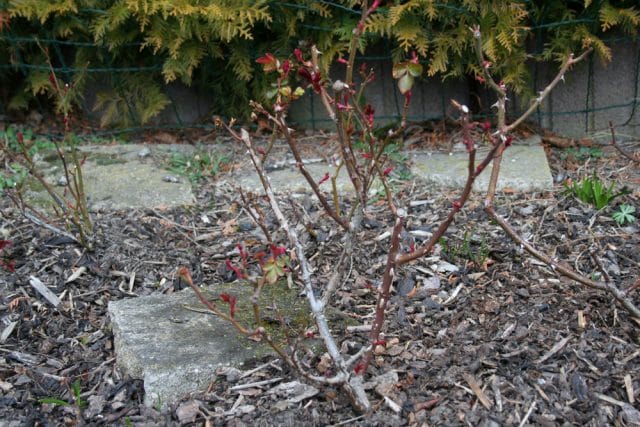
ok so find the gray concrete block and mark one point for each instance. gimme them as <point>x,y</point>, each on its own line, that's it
<point>524,168</point>
<point>430,99</point>
<point>173,349</point>
<point>175,345</point>
<point>608,89</point>
<point>613,87</point>
<point>116,177</point>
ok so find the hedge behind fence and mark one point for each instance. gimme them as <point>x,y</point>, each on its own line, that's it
<point>133,47</point>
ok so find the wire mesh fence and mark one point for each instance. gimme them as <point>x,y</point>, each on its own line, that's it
<point>588,112</point>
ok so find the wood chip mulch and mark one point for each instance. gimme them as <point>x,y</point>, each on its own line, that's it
<point>477,334</point>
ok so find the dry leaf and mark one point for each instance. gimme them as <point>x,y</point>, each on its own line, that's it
<point>230,227</point>
<point>324,364</point>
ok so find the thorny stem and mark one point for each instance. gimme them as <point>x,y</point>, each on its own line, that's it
<point>280,123</point>
<point>502,131</point>
<point>292,360</point>
<point>255,299</point>
<point>336,277</point>
<point>267,150</point>
<point>82,199</point>
<point>352,384</point>
<point>314,185</point>
<point>472,174</point>
<point>348,159</point>
<point>561,268</point>
<point>213,308</point>
<point>37,218</point>
<point>501,92</point>
<point>353,46</point>
<point>569,61</point>
<point>255,214</point>
<point>334,187</point>
<point>389,271</point>
<point>598,264</point>
<point>257,332</point>
<point>75,184</point>
<point>387,280</point>
<point>324,96</point>
<point>633,158</point>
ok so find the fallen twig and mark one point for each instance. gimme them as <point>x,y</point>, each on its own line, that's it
<point>44,291</point>
<point>619,295</point>
<point>477,390</point>
<point>633,157</point>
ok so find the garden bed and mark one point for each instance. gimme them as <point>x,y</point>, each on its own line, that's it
<point>479,333</point>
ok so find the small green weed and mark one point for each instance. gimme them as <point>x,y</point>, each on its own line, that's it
<point>624,214</point>
<point>54,401</point>
<point>582,153</point>
<point>157,404</point>
<point>77,400</point>
<point>593,191</point>
<point>10,136</point>
<point>393,151</point>
<point>13,176</point>
<point>197,167</point>
<point>467,249</point>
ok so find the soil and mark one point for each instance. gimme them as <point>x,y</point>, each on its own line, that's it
<point>499,340</point>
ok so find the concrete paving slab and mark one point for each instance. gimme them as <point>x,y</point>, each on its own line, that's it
<point>524,168</point>
<point>289,180</point>
<point>175,351</point>
<point>134,185</point>
<point>123,177</point>
<point>175,346</point>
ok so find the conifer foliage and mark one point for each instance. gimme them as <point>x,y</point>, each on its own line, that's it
<point>133,47</point>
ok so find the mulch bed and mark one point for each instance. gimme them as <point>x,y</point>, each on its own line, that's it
<point>491,337</point>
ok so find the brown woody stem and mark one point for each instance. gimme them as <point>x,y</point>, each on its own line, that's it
<point>633,158</point>
<point>472,174</point>
<point>618,294</point>
<point>387,281</point>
